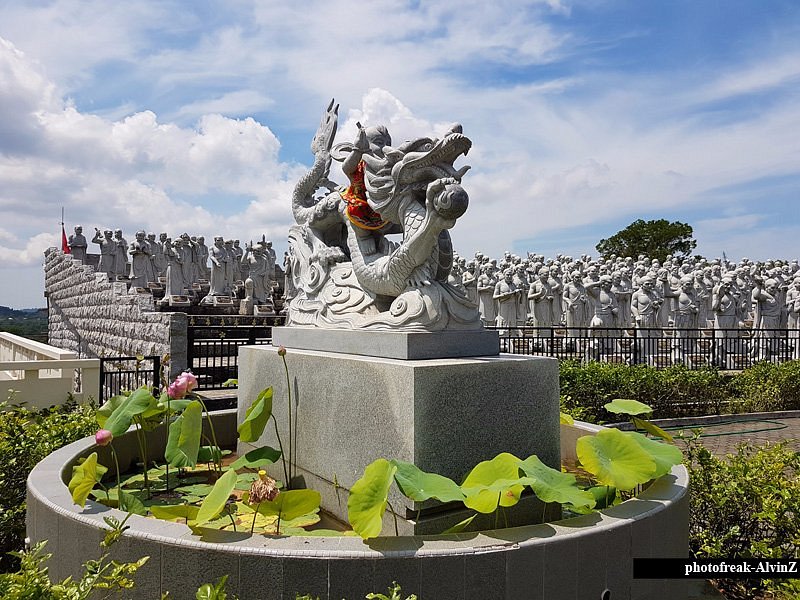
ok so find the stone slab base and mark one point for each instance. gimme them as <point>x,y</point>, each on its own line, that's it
<point>403,345</point>
<point>444,415</point>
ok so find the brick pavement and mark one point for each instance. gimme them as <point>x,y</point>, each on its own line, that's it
<point>722,434</point>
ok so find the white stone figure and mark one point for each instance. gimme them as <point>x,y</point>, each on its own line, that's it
<point>506,295</point>
<point>77,244</point>
<point>540,299</point>
<point>289,291</point>
<point>156,256</point>
<point>272,259</point>
<point>242,273</point>
<point>577,306</point>
<point>219,258</point>
<point>176,286</point>
<point>605,305</point>
<point>141,266</point>
<point>623,292</point>
<point>793,316</point>
<point>345,268</point>
<point>233,268</point>
<point>765,296</point>
<point>470,282</point>
<point>557,288</point>
<point>521,281</point>
<point>202,258</point>
<point>159,259</point>
<point>485,286</point>
<point>645,304</point>
<point>724,307</point>
<point>258,260</point>
<point>108,251</point>
<point>185,249</point>
<point>121,264</point>
<point>685,319</point>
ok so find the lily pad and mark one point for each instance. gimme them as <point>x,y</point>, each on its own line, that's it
<point>369,497</point>
<point>256,417</point>
<point>615,459</point>
<point>665,456</point>
<point>420,486</point>
<point>255,459</point>
<point>493,483</point>
<point>628,407</point>
<point>551,485</point>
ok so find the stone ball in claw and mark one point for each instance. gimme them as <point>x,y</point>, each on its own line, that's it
<point>452,202</point>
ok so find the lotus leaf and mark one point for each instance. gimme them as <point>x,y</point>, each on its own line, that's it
<point>369,497</point>
<point>628,407</point>
<point>551,485</point>
<point>260,457</point>
<point>137,403</point>
<point>217,498</point>
<point>84,478</point>
<point>652,429</point>
<point>183,443</point>
<point>665,456</point>
<point>256,417</point>
<point>493,482</point>
<point>420,486</point>
<point>615,459</point>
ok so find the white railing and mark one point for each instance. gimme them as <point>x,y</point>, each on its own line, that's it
<point>40,375</point>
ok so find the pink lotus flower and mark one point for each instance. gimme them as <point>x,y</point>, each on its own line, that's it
<point>177,389</point>
<point>190,379</point>
<point>103,437</point>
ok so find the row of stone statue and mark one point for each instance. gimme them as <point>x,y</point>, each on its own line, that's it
<point>183,263</point>
<point>623,292</point>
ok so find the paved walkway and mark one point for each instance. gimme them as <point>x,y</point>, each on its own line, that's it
<point>722,434</point>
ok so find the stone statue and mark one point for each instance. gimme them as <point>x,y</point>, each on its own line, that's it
<point>793,316</point>
<point>77,244</point>
<point>257,259</point>
<point>577,305</point>
<point>540,299</point>
<point>176,286</point>
<point>202,257</point>
<point>685,319</point>
<point>469,281</point>
<point>108,251</point>
<point>121,265</point>
<point>348,274</point>
<point>506,295</point>
<point>767,317</point>
<point>724,307</point>
<point>219,258</point>
<point>485,287</point>
<point>141,266</point>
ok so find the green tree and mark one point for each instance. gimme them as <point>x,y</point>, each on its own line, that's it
<point>654,239</point>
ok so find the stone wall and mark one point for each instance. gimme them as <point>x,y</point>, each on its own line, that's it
<point>96,318</point>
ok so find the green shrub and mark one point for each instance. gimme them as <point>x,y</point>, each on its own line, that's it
<point>746,506</point>
<point>768,387</point>
<point>26,437</point>
<point>672,392</point>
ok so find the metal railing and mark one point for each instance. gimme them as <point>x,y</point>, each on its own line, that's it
<point>727,349</point>
<point>127,373</point>
<point>213,351</point>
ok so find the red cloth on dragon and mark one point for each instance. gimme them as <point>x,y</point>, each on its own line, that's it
<point>358,210</point>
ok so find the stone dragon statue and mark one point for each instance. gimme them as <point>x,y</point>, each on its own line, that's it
<point>347,273</point>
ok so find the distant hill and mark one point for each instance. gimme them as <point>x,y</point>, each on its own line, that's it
<point>26,322</point>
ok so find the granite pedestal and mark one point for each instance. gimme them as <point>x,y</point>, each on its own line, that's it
<point>444,415</point>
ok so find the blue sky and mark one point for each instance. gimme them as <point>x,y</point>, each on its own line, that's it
<point>585,115</point>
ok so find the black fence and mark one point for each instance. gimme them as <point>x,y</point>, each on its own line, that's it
<point>121,373</point>
<point>213,350</point>
<point>727,349</point>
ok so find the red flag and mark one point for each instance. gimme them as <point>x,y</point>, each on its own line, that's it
<point>64,246</point>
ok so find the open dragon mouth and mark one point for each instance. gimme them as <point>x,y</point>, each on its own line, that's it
<point>427,160</point>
